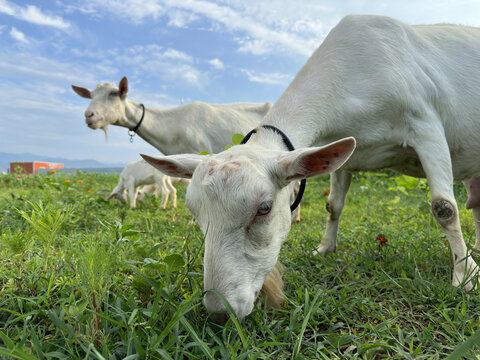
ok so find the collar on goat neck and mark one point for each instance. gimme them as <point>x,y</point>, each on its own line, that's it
<point>132,132</point>
<point>290,147</point>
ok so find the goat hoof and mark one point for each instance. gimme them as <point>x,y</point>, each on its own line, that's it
<point>325,250</point>
<point>466,276</point>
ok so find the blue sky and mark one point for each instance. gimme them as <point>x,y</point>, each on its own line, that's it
<point>170,50</point>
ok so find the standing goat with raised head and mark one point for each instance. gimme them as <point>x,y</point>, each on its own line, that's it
<point>410,95</point>
<point>189,128</point>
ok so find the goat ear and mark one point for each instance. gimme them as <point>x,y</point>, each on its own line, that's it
<point>83,92</point>
<point>123,87</point>
<point>182,165</point>
<point>303,163</point>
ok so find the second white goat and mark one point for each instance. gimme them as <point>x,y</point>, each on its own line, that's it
<point>139,173</point>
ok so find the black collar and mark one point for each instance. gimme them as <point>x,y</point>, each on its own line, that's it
<point>132,132</point>
<point>290,147</point>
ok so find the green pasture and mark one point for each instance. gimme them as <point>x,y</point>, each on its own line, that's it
<point>82,278</point>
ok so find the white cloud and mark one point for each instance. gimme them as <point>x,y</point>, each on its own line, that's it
<point>217,64</point>
<point>270,37</point>
<point>253,30</point>
<point>44,70</point>
<point>255,46</point>
<point>32,14</point>
<point>18,35</point>
<point>181,19</point>
<point>7,8</point>
<point>177,55</point>
<point>170,64</point>
<point>134,11</point>
<point>267,78</point>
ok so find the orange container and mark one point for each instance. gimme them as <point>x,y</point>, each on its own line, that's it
<point>32,167</point>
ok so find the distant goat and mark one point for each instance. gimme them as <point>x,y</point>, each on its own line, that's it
<point>410,95</point>
<point>140,173</point>
<point>189,128</point>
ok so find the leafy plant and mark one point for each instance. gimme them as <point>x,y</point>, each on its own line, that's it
<point>16,243</point>
<point>95,267</point>
<point>405,182</point>
<point>46,222</point>
<point>121,232</point>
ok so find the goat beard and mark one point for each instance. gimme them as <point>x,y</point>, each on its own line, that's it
<point>104,128</point>
<point>272,288</point>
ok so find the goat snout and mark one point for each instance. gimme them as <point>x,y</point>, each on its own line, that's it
<point>219,318</point>
<point>89,117</point>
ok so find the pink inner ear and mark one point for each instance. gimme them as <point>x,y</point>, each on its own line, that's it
<point>316,164</point>
<point>322,161</point>
<point>325,159</point>
<point>169,168</point>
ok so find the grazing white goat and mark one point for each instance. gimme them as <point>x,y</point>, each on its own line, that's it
<point>190,128</point>
<point>140,173</point>
<point>411,97</point>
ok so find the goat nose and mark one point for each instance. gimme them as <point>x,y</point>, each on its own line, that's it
<point>219,318</point>
<point>88,114</point>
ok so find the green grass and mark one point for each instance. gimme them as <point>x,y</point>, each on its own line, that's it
<point>82,278</point>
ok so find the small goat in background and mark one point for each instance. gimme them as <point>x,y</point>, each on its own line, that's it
<point>139,173</point>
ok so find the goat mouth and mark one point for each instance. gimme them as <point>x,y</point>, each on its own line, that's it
<point>92,124</point>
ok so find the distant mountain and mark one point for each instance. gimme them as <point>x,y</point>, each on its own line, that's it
<point>7,158</point>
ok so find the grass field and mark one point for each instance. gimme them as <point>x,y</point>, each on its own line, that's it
<point>82,278</point>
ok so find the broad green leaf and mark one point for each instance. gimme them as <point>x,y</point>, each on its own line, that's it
<point>174,262</point>
<point>237,139</point>
<point>407,181</point>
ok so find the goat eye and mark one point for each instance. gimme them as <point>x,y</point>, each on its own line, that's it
<point>264,208</point>
<point>114,93</point>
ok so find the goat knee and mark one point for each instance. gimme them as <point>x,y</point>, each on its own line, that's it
<point>334,210</point>
<point>444,211</point>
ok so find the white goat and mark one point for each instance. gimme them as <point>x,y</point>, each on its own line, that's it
<point>411,97</point>
<point>190,128</point>
<point>140,173</point>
